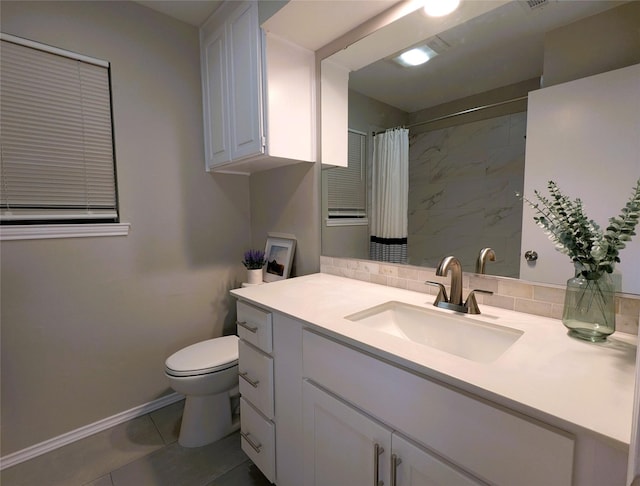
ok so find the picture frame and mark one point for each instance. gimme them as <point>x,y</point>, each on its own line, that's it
<point>278,252</point>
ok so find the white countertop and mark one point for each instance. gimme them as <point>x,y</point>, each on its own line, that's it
<point>545,374</point>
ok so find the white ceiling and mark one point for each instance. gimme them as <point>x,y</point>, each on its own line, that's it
<point>502,47</point>
<point>309,23</point>
<point>497,48</point>
<point>312,24</point>
<point>193,12</point>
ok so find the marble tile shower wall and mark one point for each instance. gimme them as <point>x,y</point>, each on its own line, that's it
<point>463,181</point>
<point>532,298</point>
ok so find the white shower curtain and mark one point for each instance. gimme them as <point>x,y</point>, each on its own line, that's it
<point>390,196</point>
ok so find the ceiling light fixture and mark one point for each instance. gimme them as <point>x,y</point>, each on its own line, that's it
<point>440,8</point>
<point>415,56</point>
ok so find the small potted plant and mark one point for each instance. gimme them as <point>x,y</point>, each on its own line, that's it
<point>254,261</point>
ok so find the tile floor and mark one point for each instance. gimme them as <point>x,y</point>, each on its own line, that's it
<point>141,452</point>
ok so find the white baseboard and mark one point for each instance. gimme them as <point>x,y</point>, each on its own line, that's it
<point>77,434</point>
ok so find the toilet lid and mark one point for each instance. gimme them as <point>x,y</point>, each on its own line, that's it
<point>204,357</point>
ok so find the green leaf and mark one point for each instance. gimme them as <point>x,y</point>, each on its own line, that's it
<point>573,233</point>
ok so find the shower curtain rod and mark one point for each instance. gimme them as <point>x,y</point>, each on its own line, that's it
<point>463,112</point>
<point>470,110</point>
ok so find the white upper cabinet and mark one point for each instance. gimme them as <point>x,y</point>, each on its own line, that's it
<point>258,94</point>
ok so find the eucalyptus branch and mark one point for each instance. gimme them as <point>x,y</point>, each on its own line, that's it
<point>573,233</point>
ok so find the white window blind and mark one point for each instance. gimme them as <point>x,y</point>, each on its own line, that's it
<point>56,140</point>
<point>347,185</point>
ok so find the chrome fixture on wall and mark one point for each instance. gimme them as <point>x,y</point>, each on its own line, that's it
<point>484,255</point>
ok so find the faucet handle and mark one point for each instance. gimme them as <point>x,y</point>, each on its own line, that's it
<point>471,304</point>
<point>442,294</point>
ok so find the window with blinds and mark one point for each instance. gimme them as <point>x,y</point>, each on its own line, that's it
<point>347,194</point>
<point>56,138</point>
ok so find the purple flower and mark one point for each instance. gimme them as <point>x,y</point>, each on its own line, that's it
<point>254,259</point>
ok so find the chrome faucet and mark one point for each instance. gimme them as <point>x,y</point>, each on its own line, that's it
<point>454,302</point>
<point>452,264</point>
<point>484,255</point>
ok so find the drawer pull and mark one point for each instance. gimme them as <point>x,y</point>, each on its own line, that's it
<point>254,446</point>
<point>244,376</point>
<point>377,451</point>
<point>395,462</point>
<point>247,326</point>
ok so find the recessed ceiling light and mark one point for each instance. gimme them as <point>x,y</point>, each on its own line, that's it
<point>415,56</point>
<point>440,8</point>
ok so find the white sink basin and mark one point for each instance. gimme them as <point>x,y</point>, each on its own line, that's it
<point>455,334</point>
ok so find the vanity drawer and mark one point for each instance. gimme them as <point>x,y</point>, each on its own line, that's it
<point>490,442</point>
<point>255,326</point>
<point>258,439</point>
<point>256,377</point>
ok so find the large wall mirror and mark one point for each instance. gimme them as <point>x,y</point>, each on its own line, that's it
<point>466,110</point>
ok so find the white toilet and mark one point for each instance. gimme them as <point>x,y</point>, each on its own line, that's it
<point>207,374</point>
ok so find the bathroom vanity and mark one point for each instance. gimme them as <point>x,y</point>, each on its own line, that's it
<point>340,398</point>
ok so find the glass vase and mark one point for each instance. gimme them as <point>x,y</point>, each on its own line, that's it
<point>589,305</point>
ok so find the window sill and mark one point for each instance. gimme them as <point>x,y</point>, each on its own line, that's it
<point>48,231</point>
<point>347,221</point>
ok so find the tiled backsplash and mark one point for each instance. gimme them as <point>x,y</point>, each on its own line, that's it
<point>508,293</point>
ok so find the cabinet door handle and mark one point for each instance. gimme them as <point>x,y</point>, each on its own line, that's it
<point>377,451</point>
<point>247,326</point>
<point>244,376</point>
<point>395,462</point>
<point>254,446</point>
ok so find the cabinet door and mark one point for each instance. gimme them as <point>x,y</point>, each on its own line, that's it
<point>245,82</point>
<point>216,105</point>
<point>341,445</point>
<point>413,466</point>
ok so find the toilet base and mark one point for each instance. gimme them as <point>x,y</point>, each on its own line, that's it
<point>205,419</point>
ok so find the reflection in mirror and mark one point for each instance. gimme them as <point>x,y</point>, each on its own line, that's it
<point>466,110</point>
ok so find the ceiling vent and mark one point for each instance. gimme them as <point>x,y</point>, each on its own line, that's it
<point>533,4</point>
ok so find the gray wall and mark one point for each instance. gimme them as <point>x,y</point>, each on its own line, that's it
<point>87,323</point>
<point>286,200</point>
<point>612,39</point>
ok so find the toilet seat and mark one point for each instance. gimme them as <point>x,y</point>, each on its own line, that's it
<point>205,357</point>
